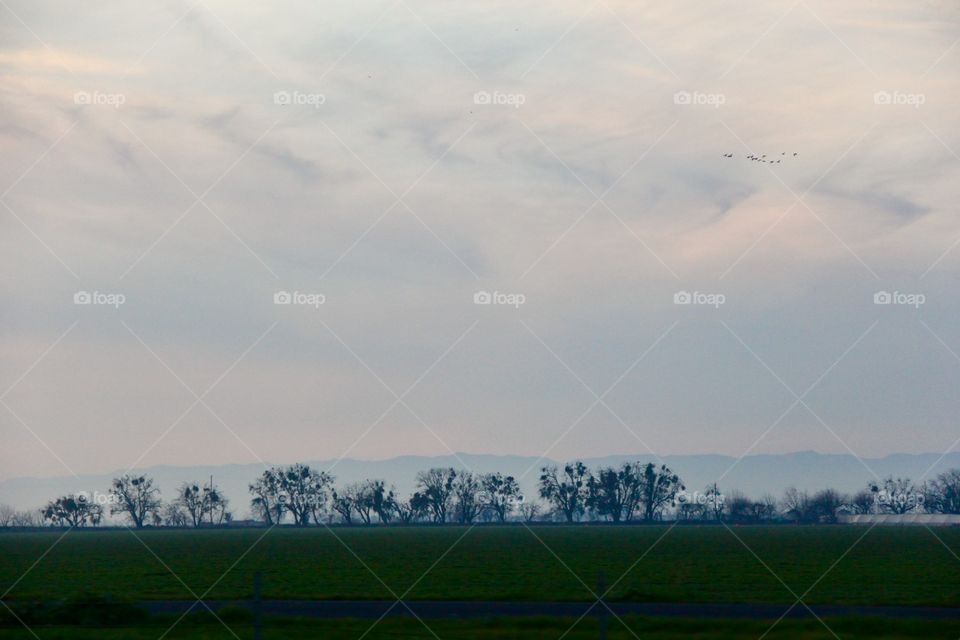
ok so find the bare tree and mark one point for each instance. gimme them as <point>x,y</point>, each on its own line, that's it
<point>174,515</point>
<point>825,504</point>
<point>216,505</point>
<point>26,519</point>
<point>304,491</point>
<point>566,490</point>
<point>72,511</point>
<point>943,493</point>
<point>437,487</point>
<point>364,497</point>
<point>530,510</point>
<point>616,493</point>
<point>344,502</point>
<point>267,502</point>
<point>500,495</point>
<point>135,497</point>
<point>367,499</point>
<point>798,506</point>
<point>297,490</point>
<point>714,503</point>
<point>466,493</point>
<point>862,502</point>
<point>363,503</point>
<point>190,500</point>
<point>688,510</point>
<point>383,501</point>
<point>739,507</point>
<point>765,508</point>
<point>659,487</point>
<point>7,514</point>
<point>413,509</point>
<point>897,495</point>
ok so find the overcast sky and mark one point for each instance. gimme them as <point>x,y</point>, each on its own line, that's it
<point>396,158</point>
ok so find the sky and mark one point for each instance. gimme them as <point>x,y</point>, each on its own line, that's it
<point>501,227</point>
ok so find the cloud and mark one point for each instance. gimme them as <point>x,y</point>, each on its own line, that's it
<point>58,61</point>
<point>499,196</point>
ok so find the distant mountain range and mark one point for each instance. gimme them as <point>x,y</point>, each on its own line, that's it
<point>754,475</point>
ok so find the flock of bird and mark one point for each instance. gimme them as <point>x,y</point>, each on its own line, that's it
<point>763,158</point>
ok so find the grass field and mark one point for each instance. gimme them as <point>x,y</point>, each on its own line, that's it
<point>898,566</point>
<point>533,628</point>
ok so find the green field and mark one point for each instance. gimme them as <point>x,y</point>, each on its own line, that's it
<point>532,628</point>
<point>897,566</point>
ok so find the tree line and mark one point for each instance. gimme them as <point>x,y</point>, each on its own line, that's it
<point>633,492</point>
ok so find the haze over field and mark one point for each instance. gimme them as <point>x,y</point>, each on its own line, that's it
<point>755,475</point>
<point>395,159</point>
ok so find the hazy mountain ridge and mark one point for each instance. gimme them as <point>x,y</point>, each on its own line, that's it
<point>754,475</point>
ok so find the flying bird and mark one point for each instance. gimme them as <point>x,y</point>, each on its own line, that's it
<point>762,157</point>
